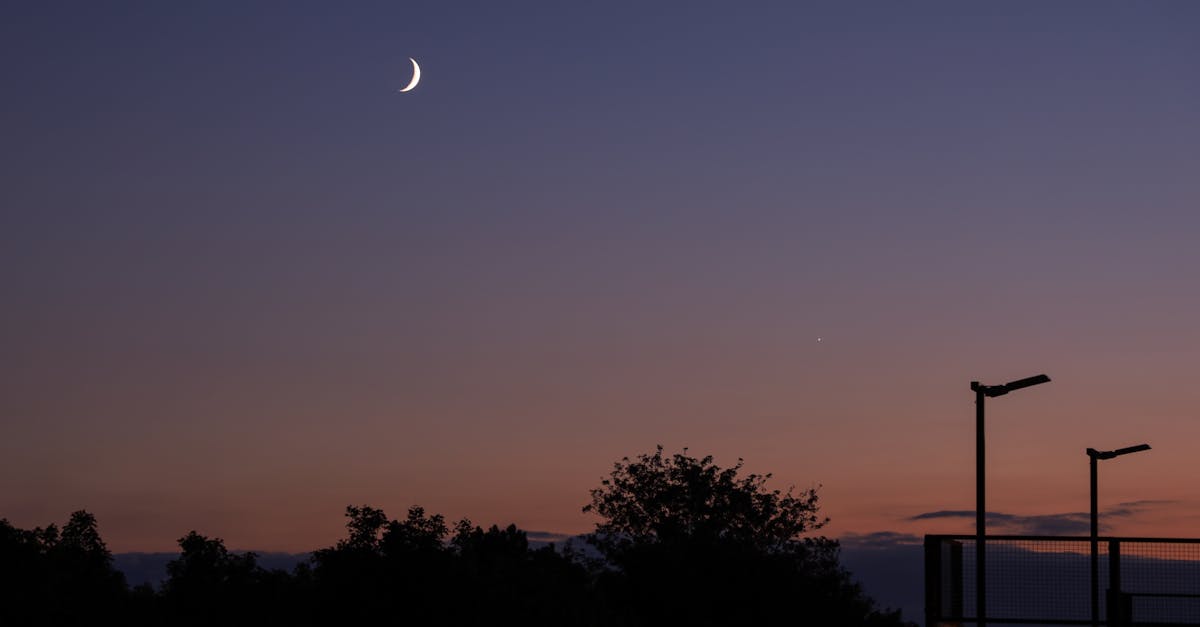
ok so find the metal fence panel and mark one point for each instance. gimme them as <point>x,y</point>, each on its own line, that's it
<point>1046,580</point>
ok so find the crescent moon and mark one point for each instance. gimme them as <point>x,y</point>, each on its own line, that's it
<point>416,76</point>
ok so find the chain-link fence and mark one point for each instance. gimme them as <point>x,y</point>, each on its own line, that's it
<point>1048,580</point>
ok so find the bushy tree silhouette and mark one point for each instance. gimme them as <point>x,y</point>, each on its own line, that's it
<point>86,583</point>
<point>395,570</point>
<point>207,584</point>
<point>508,582</point>
<point>25,571</point>
<point>52,577</point>
<point>690,542</point>
<point>410,571</point>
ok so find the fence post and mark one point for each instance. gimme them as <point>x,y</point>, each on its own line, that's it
<point>933,581</point>
<point>1115,610</point>
<point>956,578</point>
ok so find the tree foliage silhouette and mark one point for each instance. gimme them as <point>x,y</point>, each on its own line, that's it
<point>411,571</point>
<point>207,584</point>
<point>66,577</point>
<point>660,499</point>
<point>510,582</point>
<point>692,542</point>
<point>680,541</point>
<point>384,568</point>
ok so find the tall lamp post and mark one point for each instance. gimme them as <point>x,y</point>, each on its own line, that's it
<point>982,392</point>
<point>1094,456</point>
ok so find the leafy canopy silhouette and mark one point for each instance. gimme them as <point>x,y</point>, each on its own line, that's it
<point>688,542</point>
<point>665,499</point>
<point>680,539</point>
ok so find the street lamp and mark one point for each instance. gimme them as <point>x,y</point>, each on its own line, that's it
<point>1094,456</point>
<point>982,392</point>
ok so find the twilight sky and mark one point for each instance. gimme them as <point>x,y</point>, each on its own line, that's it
<point>247,283</point>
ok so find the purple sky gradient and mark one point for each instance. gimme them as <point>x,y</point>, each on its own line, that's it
<point>248,283</point>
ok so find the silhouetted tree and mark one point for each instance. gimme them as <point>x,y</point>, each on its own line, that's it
<point>86,584</point>
<point>365,526</point>
<point>395,570</point>
<point>507,582</point>
<point>409,571</point>
<point>24,572</point>
<point>208,585</point>
<point>48,577</point>
<point>690,542</point>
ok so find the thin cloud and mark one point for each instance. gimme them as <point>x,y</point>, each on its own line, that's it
<point>1132,508</point>
<point>1069,523</point>
<point>1043,524</point>
<point>879,540</point>
<point>547,536</point>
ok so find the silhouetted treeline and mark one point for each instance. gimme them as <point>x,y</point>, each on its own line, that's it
<point>682,542</point>
<point>58,577</point>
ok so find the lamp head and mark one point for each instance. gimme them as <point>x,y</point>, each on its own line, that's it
<point>1131,449</point>
<point>992,391</point>
<point>1117,453</point>
<point>1026,382</point>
